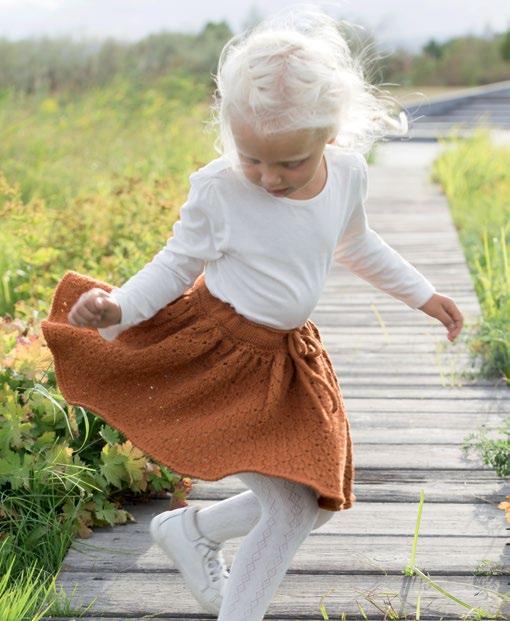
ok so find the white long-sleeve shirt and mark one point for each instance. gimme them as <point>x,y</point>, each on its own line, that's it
<point>269,256</point>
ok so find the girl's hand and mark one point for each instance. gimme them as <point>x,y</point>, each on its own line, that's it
<point>95,309</point>
<point>444,308</point>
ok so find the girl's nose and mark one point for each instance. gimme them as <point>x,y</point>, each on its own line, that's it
<point>270,179</point>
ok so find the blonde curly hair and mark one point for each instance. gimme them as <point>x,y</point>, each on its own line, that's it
<point>294,71</point>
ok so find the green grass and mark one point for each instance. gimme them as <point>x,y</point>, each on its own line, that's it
<point>62,148</point>
<point>93,184</point>
<point>475,176</point>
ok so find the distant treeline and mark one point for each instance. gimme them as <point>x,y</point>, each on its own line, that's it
<point>460,61</point>
<point>48,65</point>
<point>52,64</point>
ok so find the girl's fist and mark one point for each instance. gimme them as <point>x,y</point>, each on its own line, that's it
<point>95,309</point>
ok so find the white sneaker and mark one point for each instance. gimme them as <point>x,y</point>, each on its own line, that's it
<point>198,558</point>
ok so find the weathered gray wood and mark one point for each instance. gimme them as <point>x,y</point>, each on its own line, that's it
<point>353,373</point>
<point>449,422</point>
<point>411,401</point>
<point>395,332</point>
<point>398,485</point>
<point>390,338</point>
<point>312,617</point>
<point>412,436</point>
<point>373,487</point>
<point>445,519</point>
<point>166,594</point>
<point>420,393</point>
<point>350,285</point>
<point>377,317</point>
<point>396,315</point>
<point>488,104</point>
<point>439,406</point>
<point>125,550</point>
<point>379,378</point>
<point>449,428</point>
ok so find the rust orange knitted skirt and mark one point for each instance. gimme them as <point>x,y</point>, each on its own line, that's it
<point>208,393</point>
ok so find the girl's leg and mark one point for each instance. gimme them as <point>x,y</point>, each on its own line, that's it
<point>237,515</point>
<point>229,518</point>
<point>288,512</point>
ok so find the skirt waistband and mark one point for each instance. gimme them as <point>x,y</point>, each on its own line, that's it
<point>302,343</point>
<point>240,326</point>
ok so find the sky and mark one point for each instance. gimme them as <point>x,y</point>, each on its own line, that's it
<point>405,23</point>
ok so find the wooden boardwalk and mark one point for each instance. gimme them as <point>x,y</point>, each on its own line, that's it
<point>409,408</point>
<point>487,105</point>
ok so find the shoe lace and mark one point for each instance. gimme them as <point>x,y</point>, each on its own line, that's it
<point>215,563</point>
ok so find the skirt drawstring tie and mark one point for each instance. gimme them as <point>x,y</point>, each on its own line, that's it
<point>304,345</point>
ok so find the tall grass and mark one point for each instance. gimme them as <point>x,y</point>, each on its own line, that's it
<point>475,176</point>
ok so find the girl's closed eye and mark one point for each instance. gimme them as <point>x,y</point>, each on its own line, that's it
<point>293,165</point>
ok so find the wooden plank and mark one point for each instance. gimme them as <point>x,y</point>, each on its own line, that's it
<point>358,297</point>
<point>398,334</point>
<point>364,297</point>
<point>426,363</point>
<point>362,287</point>
<point>355,372</point>
<point>419,435</point>
<point>388,315</point>
<point>131,549</point>
<point>421,332</point>
<point>198,617</point>
<point>418,456</point>
<point>364,345</point>
<point>439,278</point>
<point>364,423</point>
<point>440,406</point>
<point>422,392</point>
<point>397,311</point>
<point>348,298</point>
<point>365,315</point>
<point>445,519</point>
<point>376,487</point>
<point>359,376</point>
<point>159,594</point>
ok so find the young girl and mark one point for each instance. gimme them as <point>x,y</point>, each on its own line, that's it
<point>221,372</point>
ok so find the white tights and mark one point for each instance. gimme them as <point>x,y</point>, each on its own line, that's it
<point>276,515</point>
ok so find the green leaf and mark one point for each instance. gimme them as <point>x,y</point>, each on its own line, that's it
<point>112,467</point>
<point>13,470</point>
<point>109,435</point>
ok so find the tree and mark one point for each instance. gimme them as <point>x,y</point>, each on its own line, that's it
<point>505,46</point>
<point>434,49</point>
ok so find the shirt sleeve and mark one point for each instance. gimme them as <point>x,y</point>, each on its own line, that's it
<point>367,255</point>
<point>197,238</point>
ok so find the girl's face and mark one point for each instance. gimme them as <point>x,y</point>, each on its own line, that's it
<point>287,164</point>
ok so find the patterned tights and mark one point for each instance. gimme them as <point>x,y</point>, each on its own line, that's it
<point>276,515</point>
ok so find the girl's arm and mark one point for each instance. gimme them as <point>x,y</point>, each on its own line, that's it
<point>196,239</point>
<point>367,255</point>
